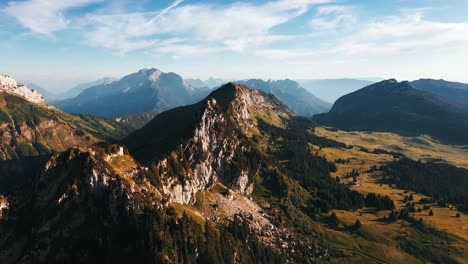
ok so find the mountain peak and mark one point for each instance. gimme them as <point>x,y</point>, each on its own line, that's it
<point>9,85</point>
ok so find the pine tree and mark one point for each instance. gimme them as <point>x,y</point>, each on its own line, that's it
<point>334,221</point>
<point>431,213</point>
<point>357,224</point>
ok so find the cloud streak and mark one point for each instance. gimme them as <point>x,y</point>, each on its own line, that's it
<point>238,27</point>
<point>44,16</point>
<point>407,33</point>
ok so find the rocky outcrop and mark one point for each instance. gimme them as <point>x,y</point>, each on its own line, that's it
<point>207,157</point>
<point>4,206</point>
<point>9,85</point>
<point>80,189</point>
<point>215,150</point>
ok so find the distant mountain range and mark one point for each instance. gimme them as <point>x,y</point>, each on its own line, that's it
<point>399,107</point>
<point>153,91</point>
<point>291,94</point>
<point>332,89</point>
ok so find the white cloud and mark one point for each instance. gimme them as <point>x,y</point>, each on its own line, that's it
<point>408,32</point>
<point>239,26</point>
<point>407,35</point>
<point>43,16</point>
<point>332,17</point>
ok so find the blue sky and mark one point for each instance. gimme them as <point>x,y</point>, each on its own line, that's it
<point>58,43</point>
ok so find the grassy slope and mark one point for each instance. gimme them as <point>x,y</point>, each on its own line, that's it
<point>455,230</point>
<point>41,129</point>
<point>422,147</point>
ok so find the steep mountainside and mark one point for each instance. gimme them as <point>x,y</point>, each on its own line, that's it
<point>451,90</point>
<point>332,89</point>
<point>31,130</point>
<point>291,94</point>
<point>235,178</point>
<point>209,136</point>
<point>399,107</point>
<point>143,91</point>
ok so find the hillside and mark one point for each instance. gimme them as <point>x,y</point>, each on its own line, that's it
<point>399,107</point>
<point>451,90</point>
<point>222,147</point>
<point>31,130</point>
<point>291,94</point>
<point>238,179</point>
<point>144,91</point>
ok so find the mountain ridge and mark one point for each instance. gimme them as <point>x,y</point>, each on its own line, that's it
<point>399,107</point>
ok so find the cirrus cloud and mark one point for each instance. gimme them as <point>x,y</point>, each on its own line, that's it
<point>44,16</point>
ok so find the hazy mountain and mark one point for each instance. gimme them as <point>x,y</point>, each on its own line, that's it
<point>332,89</point>
<point>46,93</point>
<point>291,94</point>
<point>210,82</point>
<point>399,107</point>
<point>75,91</point>
<point>451,90</point>
<point>196,83</point>
<point>148,90</point>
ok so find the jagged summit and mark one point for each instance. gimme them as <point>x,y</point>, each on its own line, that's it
<point>237,104</point>
<point>206,140</point>
<point>9,85</point>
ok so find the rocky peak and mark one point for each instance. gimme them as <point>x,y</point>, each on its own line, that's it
<point>207,147</point>
<point>9,85</point>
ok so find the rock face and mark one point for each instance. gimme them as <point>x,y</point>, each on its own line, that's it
<point>4,205</point>
<point>399,107</point>
<point>211,148</point>
<point>9,85</point>
<point>80,189</point>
